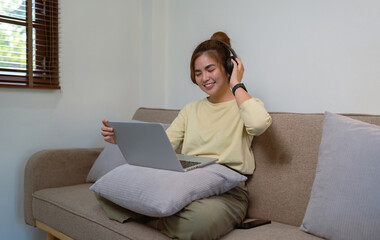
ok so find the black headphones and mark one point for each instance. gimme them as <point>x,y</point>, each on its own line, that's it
<point>229,64</point>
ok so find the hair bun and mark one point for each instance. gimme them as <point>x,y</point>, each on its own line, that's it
<point>221,36</point>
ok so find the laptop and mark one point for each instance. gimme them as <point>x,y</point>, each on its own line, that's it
<point>146,144</point>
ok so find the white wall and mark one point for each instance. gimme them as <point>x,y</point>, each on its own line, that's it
<point>153,53</point>
<point>299,56</point>
<point>99,55</point>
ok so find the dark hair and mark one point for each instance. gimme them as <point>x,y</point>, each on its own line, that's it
<point>214,48</point>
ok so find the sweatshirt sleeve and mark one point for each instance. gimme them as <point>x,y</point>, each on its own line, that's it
<point>255,117</point>
<point>176,131</point>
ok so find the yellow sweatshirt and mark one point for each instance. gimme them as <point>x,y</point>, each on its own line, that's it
<point>221,130</point>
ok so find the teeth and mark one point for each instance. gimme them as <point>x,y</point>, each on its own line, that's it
<point>209,84</point>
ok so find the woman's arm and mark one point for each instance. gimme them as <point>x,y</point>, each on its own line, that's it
<point>176,131</point>
<point>236,77</point>
<point>253,113</point>
<point>255,117</point>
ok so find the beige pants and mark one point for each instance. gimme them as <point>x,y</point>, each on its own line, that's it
<point>208,218</point>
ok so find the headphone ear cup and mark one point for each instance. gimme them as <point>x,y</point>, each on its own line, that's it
<point>230,65</point>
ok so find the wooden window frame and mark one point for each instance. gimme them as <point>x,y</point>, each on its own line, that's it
<point>42,72</point>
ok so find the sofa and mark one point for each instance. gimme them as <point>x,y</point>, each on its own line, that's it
<point>57,198</point>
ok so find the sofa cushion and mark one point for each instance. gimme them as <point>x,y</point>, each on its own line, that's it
<point>286,157</point>
<point>81,217</point>
<point>159,193</point>
<point>74,211</point>
<point>344,202</point>
<point>110,158</point>
<point>271,231</point>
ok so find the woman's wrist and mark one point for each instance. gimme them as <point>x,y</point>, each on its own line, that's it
<point>237,86</point>
<point>232,84</point>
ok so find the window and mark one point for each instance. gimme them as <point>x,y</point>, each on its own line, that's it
<point>29,44</point>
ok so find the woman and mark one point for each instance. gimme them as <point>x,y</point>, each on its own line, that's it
<point>221,125</point>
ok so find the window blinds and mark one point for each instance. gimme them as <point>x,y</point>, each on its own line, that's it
<point>29,44</point>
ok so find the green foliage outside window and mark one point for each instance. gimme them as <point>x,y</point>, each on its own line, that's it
<point>13,37</point>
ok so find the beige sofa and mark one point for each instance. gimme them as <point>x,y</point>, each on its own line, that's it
<point>58,199</point>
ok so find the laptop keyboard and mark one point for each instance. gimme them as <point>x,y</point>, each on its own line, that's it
<point>186,164</point>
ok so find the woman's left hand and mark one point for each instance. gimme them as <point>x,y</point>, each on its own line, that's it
<point>237,72</point>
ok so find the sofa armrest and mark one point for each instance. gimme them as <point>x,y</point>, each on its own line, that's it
<point>55,168</point>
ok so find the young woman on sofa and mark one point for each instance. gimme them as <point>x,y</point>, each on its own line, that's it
<point>223,124</point>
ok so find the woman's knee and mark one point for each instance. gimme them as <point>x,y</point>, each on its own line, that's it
<point>208,218</point>
<point>200,220</point>
<point>192,229</point>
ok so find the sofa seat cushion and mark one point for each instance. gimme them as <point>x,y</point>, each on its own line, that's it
<point>273,231</point>
<point>74,211</point>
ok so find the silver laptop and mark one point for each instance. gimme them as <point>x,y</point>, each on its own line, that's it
<point>146,144</point>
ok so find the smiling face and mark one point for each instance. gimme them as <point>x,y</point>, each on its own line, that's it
<point>212,78</point>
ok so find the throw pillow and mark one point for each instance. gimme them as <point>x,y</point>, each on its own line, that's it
<point>110,158</point>
<point>160,193</point>
<point>107,160</point>
<point>344,202</point>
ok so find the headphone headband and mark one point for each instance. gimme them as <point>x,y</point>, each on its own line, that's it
<point>234,55</point>
<point>229,65</point>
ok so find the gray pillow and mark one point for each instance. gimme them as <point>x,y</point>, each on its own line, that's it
<point>160,193</point>
<point>110,158</point>
<point>345,198</point>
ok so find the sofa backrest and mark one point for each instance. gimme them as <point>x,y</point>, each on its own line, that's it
<point>286,157</point>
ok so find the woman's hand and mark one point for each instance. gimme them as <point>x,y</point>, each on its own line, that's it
<point>108,132</point>
<point>237,72</point>
<point>236,77</point>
